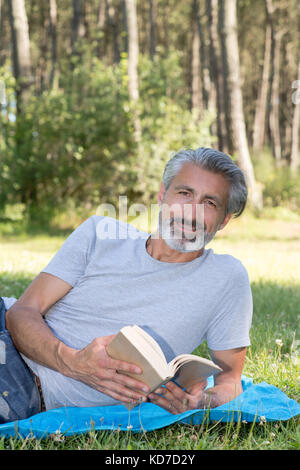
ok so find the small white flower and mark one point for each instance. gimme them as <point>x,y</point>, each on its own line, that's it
<point>58,436</point>
<point>262,420</point>
<point>279,342</point>
<point>129,426</point>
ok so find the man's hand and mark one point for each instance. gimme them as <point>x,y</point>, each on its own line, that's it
<point>95,368</point>
<point>227,386</point>
<point>175,400</point>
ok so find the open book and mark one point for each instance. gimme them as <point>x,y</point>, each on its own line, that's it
<point>133,344</point>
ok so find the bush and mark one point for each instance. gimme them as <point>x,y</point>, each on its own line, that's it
<point>280,185</point>
<point>282,188</point>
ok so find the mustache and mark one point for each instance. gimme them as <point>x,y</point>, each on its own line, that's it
<point>189,225</point>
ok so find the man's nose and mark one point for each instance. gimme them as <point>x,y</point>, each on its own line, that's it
<point>194,212</point>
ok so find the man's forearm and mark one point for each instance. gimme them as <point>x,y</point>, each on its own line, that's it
<point>34,339</point>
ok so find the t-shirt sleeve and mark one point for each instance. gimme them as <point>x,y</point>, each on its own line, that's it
<point>231,324</point>
<point>71,260</point>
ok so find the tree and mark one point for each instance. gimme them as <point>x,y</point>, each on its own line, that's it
<point>236,101</point>
<point>274,125</point>
<point>196,66</point>
<point>133,55</point>
<point>295,127</point>
<point>152,33</point>
<point>112,20</point>
<point>20,51</point>
<point>1,28</point>
<point>261,103</point>
<point>53,28</point>
<point>217,73</point>
<point>78,27</point>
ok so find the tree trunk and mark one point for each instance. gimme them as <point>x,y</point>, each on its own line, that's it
<point>52,24</point>
<point>112,13</point>
<point>236,102</point>
<point>22,72</point>
<point>274,111</point>
<point>1,27</point>
<point>217,73</point>
<point>152,20</point>
<point>2,49</point>
<point>41,69</point>
<point>165,25</point>
<point>261,110</point>
<point>20,51</point>
<point>224,73</point>
<point>294,163</point>
<point>100,26</point>
<point>133,54</point>
<point>195,68</point>
<point>274,125</point>
<point>78,27</point>
<point>124,27</point>
<point>205,63</point>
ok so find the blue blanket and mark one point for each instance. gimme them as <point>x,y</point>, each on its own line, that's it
<point>259,402</point>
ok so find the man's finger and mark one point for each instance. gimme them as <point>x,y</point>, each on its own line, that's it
<point>124,366</point>
<point>175,390</point>
<point>123,395</point>
<point>125,380</point>
<point>168,402</point>
<point>160,401</point>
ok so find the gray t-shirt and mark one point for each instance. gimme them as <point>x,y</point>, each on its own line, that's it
<point>115,282</point>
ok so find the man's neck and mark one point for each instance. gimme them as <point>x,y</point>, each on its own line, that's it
<point>158,249</point>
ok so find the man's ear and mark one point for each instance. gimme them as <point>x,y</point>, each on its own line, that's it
<point>161,193</point>
<point>225,221</point>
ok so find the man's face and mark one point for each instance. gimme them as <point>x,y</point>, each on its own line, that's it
<point>193,208</point>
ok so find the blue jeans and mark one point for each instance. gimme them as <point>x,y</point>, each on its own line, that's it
<point>19,395</point>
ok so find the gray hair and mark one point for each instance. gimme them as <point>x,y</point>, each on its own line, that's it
<point>215,162</point>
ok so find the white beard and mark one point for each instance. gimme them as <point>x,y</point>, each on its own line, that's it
<point>182,241</point>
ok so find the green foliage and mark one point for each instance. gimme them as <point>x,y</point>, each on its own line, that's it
<point>70,142</point>
<point>282,188</point>
<point>280,185</point>
<point>74,145</point>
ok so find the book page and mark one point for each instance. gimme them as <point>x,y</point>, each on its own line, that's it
<point>151,341</point>
<point>147,346</point>
<point>189,369</point>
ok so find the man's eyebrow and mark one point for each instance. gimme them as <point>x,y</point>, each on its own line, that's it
<point>206,196</point>
<point>184,186</point>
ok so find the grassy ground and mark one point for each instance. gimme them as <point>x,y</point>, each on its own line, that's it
<point>270,250</point>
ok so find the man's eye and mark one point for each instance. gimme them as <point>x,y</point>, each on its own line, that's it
<point>211,203</point>
<point>185,193</point>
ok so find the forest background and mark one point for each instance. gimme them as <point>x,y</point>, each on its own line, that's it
<point>97,94</point>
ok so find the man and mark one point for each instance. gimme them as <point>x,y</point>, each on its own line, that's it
<point>172,286</point>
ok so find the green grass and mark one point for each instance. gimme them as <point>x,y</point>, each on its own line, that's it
<point>270,250</point>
